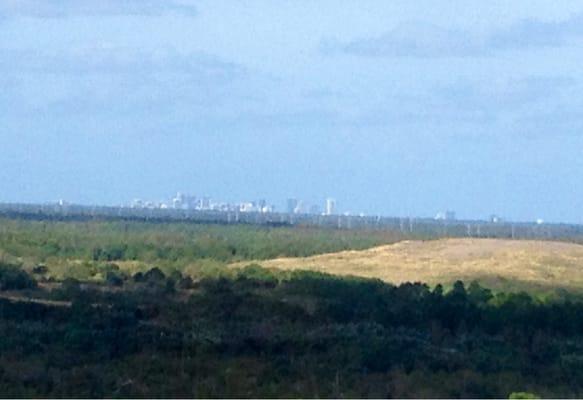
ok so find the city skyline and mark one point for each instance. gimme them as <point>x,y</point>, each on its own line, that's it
<point>188,202</point>
<point>396,108</point>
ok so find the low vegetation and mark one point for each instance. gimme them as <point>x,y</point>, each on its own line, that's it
<point>263,333</point>
<point>136,309</point>
<point>14,278</point>
<point>83,249</point>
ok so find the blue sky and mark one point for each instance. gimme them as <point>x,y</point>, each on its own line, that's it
<point>398,108</point>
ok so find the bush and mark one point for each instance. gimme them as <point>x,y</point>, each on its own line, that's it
<point>523,395</point>
<point>154,275</point>
<point>40,269</point>
<point>186,283</point>
<point>14,278</point>
<point>113,279</point>
<point>170,285</point>
<point>258,273</point>
<point>176,275</point>
<point>139,277</point>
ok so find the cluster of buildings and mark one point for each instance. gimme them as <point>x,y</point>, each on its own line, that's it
<point>295,206</point>
<point>445,216</point>
<point>188,202</point>
<point>292,206</point>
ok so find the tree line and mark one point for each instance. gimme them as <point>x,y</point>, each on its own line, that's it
<point>265,333</point>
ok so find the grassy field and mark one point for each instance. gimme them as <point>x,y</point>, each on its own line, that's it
<point>86,250</point>
<point>496,263</point>
<point>90,250</point>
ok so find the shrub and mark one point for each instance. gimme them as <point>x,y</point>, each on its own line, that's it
<point>255,271</point>
<point>14,278</point>
<point>176,275</point>
<point>185,283</point>
<point>523,395</point>
<point>40,269</point>
<point>113,279</point>
<point>154,275</point>
<point>170,285</point>
<point>139,277</point>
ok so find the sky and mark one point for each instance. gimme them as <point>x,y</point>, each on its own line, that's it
<point>396,108</point>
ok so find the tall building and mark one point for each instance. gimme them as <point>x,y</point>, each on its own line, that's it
<point>204,203</point>
<point>330,206</point>
<point>300,207</point>
<point>292,204</point>
<point>445,216</point>
<point>178,201</point>
<point>495,219</point>
<point>183,201</point>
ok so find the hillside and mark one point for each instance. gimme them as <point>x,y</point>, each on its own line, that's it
<point>494,262</point>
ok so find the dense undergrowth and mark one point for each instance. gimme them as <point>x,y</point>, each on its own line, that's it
<point>263,333</point>
<point>79,249</point>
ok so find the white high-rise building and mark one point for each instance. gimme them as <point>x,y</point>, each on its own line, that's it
<point>330,206</point>
<point>445,216</point>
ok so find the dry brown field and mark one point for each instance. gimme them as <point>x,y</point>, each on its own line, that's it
<point>498,263</point>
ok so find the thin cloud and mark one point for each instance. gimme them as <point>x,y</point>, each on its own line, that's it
<point>117,60</point>
<point>533,33</point>
<point>556,122</point>
<point>417,40</point>
<point>476,104</point>
<point>69,8</point>
<point>506,94</point>
<point>119,80</point>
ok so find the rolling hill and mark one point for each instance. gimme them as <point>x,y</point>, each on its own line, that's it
<point>503,264</point>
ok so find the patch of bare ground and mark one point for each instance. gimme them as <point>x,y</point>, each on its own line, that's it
<point>533,263</point>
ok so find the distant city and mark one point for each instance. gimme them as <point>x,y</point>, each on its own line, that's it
<point>204,209</point>
<point>293,206</point>
<point>293,211</point>
<point>184,201</point>
<point>329,207</point>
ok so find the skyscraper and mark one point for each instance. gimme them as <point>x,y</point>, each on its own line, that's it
<point>292,204</point>
<point>330,206</point>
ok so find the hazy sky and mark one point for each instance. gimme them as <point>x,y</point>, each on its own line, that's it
<point>392,107</point>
